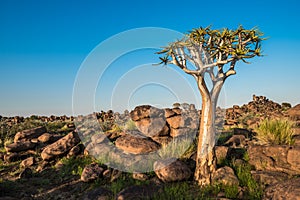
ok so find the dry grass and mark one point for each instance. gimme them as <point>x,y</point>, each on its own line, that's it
<point>275,131</point>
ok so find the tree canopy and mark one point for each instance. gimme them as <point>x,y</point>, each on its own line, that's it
<point>205,48</point>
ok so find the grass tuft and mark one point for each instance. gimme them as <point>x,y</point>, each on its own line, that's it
<point>277,131</point>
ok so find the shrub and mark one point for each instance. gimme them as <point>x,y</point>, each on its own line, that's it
<point>277,131</point>
<point>130,126</point>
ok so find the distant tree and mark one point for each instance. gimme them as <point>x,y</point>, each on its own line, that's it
<point>204,51</point>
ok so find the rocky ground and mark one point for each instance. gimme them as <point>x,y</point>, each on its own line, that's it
<point>110,155</point>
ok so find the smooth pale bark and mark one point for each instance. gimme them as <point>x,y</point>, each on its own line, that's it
<point>206,159</point>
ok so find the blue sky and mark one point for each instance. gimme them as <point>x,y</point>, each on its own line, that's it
<point>44,43</point>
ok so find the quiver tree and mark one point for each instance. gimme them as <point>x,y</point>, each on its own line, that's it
<point>204,52</point>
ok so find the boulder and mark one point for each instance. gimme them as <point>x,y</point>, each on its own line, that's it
<point>268,177</point>
<point>170,170</point>
<point>20,146</point>
<point>12,157</point>
<point>182,131</point>
<point>91,172</point>
<point>60,147</point>
<point>146,111</point>
<point>176,121</point>
<point>221,153</point>
<point>242,131</point>
<point>278,158</point>
<point>27,162</point>
<point>293,158</point>
<point>76,150</point>
<point>136,145</point>
<point>152,127</point>
<point>289,189</point>
<point>169,113</point>
<point>163,140</point>
<point>29,134</point>
<point>225,175</point>
<point>236,141</point>
<point>48,138</point>
<point>294,112</point>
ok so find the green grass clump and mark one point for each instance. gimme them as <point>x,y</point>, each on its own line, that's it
<point>253,189</point>
<point>130,126</point>
<point>276,131</point>
<point>74,165</point>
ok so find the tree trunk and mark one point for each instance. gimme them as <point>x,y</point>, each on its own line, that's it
<point>206,159</point>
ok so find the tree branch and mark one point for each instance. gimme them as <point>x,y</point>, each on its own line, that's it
<point>183,66</point>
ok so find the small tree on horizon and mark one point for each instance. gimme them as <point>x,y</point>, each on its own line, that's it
<point>204,51</point>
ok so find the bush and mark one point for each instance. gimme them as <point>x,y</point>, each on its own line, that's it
<point>277,131</point>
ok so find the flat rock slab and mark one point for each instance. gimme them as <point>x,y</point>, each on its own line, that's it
<point>284,190</point>
<point>20,146</point>
<point>269,178</point>
<point>136,145</point>
<point>60,147</point>
<point>29,134</point>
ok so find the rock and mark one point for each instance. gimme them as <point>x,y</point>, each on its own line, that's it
<point>169,113</point>
<point>274,158</point>
<point>163,140</point>
<point>242,131</point>
<point>138,192</point>
<point>136,145</point>
<point>170,170</point>
<point>236,153</point>
<point>221,153</point>
<point>181,131</point>
<point>99,193</point>
<point>176,122</point>
<point>225,175</point>
<point>91,172</point>
<point>76,150</point>
<point>20,146</point>
<point>146,111</point>
<point>236,141</point>
<point>293,158</point>
<point>294,112</point>
<point>269,178</point>
<point>107,173</point>
<point>60,147</point>
<point>289,189</point>
<point>42,166</point>
<point>29,134</point>
<point>98,138</point>
<point>46,138</point>
<point>115,174</point>
<point>297,140</point>
<point>26,173</point>
<point>27,162</point>
<point>12,157</point>
<point>140,176</point>
<point>152,127</point>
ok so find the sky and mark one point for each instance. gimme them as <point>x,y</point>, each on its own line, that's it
<point>46,46</point>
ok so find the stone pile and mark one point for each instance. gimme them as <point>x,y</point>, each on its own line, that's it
<point>250,114</point>
<point>38,141</point>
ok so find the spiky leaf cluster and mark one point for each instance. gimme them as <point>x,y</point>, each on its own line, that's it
<point>221,45</point>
